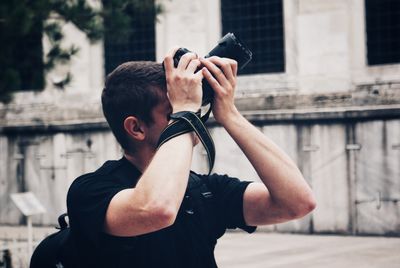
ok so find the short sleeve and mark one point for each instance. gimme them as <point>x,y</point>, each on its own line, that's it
<point>229,194</point>
<point>87,201</point>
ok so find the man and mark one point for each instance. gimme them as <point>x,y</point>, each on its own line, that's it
<point>143,211</point>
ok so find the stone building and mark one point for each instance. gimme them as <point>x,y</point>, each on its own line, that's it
<point>324,85</point>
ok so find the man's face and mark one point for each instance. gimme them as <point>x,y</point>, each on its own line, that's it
<point>160,115</point>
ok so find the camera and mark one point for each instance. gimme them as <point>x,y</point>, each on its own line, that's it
<point>228,47</point>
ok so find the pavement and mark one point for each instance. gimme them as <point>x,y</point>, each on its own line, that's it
<point>263,250</point>
<point>271,250</point>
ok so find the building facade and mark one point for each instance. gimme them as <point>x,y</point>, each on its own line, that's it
<point>324,84</point>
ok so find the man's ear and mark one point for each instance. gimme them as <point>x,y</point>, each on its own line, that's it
<point>135,128</point>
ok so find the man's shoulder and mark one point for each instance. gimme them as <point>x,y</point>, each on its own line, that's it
<point>103,172</point>
<point>107,176</point>
<point>217,182</point>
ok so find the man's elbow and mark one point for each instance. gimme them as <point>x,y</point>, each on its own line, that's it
<point>310,204</point>
<point>163,216</point>
<point>306,205</point>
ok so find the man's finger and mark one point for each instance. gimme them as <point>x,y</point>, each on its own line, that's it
<point>199,74</point>
<point>172,51</point>
<point>212,81</point>
<point>234,66</point>
<point>225,65</point>
<point>217,72</point>
<point>169,60</point>
<point>193,65</point>
<point>185,60</point>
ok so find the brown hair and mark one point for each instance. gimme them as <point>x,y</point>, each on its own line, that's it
<point>132,89</point>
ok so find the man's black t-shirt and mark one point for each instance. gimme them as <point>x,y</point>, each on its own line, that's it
<point>211,204</point>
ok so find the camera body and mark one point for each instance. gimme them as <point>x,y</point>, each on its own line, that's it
<point>228,47</point>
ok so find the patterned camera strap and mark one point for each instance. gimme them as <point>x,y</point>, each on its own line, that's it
<point>186,122</point>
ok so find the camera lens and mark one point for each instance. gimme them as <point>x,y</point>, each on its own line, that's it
<point>231,47</point>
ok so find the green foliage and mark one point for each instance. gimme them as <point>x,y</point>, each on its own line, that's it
<point>24,22</point>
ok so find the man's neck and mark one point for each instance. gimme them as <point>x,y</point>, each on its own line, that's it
<point>140,159</point>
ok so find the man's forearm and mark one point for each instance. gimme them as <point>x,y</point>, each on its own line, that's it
<point>277,171</point>
<point>165,179</point>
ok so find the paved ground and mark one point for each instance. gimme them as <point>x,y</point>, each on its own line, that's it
<point>266,250</point>
<point>269,250</point>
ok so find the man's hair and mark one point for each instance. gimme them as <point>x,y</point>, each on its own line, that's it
<point>132,89</point>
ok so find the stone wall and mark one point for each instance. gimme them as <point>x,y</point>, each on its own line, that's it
<point>351,163</point>
<point>337,117</point>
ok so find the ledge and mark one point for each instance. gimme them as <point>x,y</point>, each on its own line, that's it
<point>337,114</point>
<point>288,116</point>
<point>366,102</point>
<point>55,127</point>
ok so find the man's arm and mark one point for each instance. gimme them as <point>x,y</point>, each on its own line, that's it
<point>284,193</point>
<point>154,203</point>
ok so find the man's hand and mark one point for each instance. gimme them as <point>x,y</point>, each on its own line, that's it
<point>221,75</point>
<point>183,82</point>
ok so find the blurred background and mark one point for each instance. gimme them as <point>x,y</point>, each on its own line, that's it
<point>324,84</point>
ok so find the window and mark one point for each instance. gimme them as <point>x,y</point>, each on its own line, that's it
<point>383,31</point>
<point>27,59</point>
<point>137,42</point>
<point>259,24</point>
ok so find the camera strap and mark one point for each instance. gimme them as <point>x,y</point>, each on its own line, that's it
<point>186,122</point>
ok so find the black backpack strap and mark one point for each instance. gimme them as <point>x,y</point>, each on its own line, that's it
<point>62,221</point>
<point>186,122</point>
<point>204,204</point>
<point>203,190</point>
